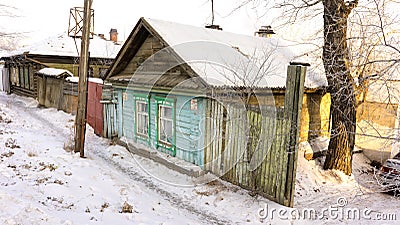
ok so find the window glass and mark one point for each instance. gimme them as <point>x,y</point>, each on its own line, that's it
<point>165,129</point>
<point>142,118</point>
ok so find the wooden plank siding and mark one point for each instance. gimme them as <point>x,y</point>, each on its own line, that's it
<point>110,116</point>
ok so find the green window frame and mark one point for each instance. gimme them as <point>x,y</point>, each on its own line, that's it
<point>166,124</point>
<point>142,117</point>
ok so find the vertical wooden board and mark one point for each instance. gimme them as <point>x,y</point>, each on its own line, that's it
<point>238,149</point>
<point>245,130</point>
<point>105,121</point>
<point>277,176</point>
<point>266,142</point>
<point>119,113</point>
<point>270,126</point>
<point>258,151</point>
<point>281,154</point>
<point>221,138</point>
<point>284,155</point>
<point>228,143</point>
<point>249,152</point>
<point>212,135</point>
<point>229,140</point>
<point>153,121</point>
<point>203,132</point>
<point>234,144</point>
<point>249,148</point>
<point>259,148</point>
<point>213,119</point>
<point>129,115</point>
<point>216,137</point>
<point>274,155</point>
<point>207,132</point>
<point>216,147</point>
<point>293,98</point>
<point>231,146</point>
<point>233,139</point>
<point>242,145</point>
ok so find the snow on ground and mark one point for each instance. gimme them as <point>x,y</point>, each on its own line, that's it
<point>319,189</point>
<point>41,182</point>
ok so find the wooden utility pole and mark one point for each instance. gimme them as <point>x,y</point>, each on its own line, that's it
<point>80,119</point>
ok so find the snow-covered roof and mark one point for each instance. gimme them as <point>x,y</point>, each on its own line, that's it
<point>223,58</point>
<point>91,79</point>
<point>63,45</point>
<point>53,72</point>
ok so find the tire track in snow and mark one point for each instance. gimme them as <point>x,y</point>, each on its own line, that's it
<point>172,198</point>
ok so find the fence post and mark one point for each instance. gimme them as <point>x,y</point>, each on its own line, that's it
<point>293,104</point>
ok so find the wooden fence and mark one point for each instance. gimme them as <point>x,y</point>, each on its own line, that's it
<point>257,149</point>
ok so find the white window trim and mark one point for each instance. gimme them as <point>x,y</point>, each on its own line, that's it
<point>165,119</point>
<point>141,113</point>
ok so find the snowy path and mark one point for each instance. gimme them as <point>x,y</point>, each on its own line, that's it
<point>41,183</point>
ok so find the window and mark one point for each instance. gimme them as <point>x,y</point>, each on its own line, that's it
<point>165,125</point>
<point>142,118</point>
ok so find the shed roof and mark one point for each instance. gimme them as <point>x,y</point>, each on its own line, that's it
<point>222,58</point>
<point>53,72</point>
<point>64,45</point>
<point>90,79</point>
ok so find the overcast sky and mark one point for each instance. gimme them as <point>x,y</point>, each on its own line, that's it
<point>40,19</point>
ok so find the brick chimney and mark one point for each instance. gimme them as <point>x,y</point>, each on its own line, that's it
<point>265,31</point>
<point>113,35</point>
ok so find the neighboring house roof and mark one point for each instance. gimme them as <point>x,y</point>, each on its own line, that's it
<point>383,91</point>
<point>222,58</point>
<point>91,79</point>
<point>53,72</point>
<point>63,45</point>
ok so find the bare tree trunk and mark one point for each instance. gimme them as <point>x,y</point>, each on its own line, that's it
<point>340,83</point>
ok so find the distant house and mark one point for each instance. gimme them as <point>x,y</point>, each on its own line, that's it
<point>378,119</point>
<point>60,52</point>
<point>163,100</point>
